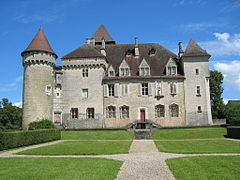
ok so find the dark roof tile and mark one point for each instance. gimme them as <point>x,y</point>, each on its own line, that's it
<point>193,49</point>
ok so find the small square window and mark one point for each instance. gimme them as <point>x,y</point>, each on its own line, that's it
<point>84,93</point>
<point>199,109</point>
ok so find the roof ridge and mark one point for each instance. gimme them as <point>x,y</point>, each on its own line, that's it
<point>102,32</point>
<point>193,49</point>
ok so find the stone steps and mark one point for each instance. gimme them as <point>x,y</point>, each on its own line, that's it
<point>142,134</point>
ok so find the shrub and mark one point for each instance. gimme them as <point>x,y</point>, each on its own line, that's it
<point>233,114</point>
<point>22,138</point>
<point>43,124</point>
<point>233,132</point>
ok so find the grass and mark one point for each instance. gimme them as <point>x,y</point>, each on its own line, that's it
<point>59,168</point>
<point>81,148</point>
<point>189,133</point>
<point>211,168</point>
<point>97,135</point>
<point>199,146</point>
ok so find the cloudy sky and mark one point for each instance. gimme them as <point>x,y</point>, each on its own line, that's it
<point>213,24</point>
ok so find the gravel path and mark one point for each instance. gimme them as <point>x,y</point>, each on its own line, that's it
<point>143,162</point>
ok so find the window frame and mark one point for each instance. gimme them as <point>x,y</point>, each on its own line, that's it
<point>111,112</point>
<point>159,111</point>
<point>174,110</point>
<point>90,113</point>
<point>111,90</point>
<point>198,91</point>
<point>85,72</point>
<point>124,112</point>
<point>144,89</point>
<point>84,92</point>
<point>74,113</point>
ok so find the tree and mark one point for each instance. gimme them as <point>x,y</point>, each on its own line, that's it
<point>216,90</point>
<point>233,114</point>
<point>10,116</point>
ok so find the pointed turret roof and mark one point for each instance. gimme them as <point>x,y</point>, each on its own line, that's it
<point>39,43</point>
<point>193,49</point>
<point>102,33</point>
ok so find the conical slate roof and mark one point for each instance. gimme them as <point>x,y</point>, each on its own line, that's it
<point>193,49</point>
<point>39,43</point>
<point>102,33</point>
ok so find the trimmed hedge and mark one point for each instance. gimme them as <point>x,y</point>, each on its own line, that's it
<point>15,139</point>
<point>233,132</point>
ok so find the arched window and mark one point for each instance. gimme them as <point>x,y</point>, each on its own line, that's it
<point>124,112</point>
<point>174,110</point>
<point>111,112</point>
<point>159,111</point>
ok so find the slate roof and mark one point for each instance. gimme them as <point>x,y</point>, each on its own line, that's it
<point>116,53</point>
<point>39,43</point>
<point>102,33</point>
<point>234,102</point>
<point>83,52</point>
<point>193,49</point>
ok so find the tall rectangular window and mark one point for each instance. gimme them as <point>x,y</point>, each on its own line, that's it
<point>159,111</point>
<point>90,113</point>
<point>85,72</point>
<point>197,71</point>
<point>111,90</point>
<point>173,88</point>
<point>84,93</point>
<point>198,91</point>
<point>144,89</point>
<point>124,110</point>
<point>74,113</point>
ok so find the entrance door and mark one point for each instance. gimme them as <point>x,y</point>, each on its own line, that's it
<point>142,114</point>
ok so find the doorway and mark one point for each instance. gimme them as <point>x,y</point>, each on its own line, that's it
<point>142,115</point>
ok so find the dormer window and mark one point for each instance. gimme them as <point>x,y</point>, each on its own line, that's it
<point>172,70</point>
<point>152,52</point>
<point>144,71</point>
<point>111,73</point>
<point>124,71</point>
<point>128,53</point>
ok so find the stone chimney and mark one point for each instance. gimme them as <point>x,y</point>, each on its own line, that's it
<point>180,49</point>
<point>103,51</point>
<point>90,42</point>
<point>136,47</point>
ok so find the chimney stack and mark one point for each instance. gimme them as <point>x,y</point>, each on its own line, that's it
<point>90,41</point>
<point>103,52</point>
<point>136,47</point>
<point>180,49</point>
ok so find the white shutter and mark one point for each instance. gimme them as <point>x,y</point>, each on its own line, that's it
<point>127,86</point>
<point>116,90</point>
<point>156,88</point>
<point>105,90</point>
<point>139,89</point>
<point>121,90</point>
<point>149,89</point>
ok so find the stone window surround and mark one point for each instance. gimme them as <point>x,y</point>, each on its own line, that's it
<point>174,110</point>
<point>90,113</point>
<point>144,89</point>
<point>85,93</point>
<point>111,111</point>
<point>84,72</point>
<point>111,90</point>
<point>159,111</point>
<point>124,112</point>
<point>124,71</point>
<point>74,113</point>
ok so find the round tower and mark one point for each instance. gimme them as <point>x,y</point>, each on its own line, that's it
<point>38,62</point>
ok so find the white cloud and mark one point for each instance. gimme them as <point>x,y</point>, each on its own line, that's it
<point>18,104</point>
<point>231,72</point>
<point>223,45</point>
<point>184,2</point>
<point>14,83</point>
<point>198,26</point>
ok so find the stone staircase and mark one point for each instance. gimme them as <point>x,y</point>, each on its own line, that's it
<point>142,134</point>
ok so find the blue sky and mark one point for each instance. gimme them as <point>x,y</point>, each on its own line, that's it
<point>213,24</point>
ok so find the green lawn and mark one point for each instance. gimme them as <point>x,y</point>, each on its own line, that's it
<point>97,135</point>
<point>59,168</point>
<point>211,168</point>
<point>82,148</point>
<point>189,133</point>
<point>199,146</point>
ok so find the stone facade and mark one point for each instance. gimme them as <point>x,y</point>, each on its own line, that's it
<point>107,85</point>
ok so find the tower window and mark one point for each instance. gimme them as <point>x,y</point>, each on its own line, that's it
<point>197,71</point>
<point>199,109</point>
<point>84,93</point>
<point>198,91</point>
<point>85,72</point>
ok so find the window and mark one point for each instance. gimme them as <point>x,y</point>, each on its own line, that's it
<point>84,93</point>
<point>199,109</point>
<point>144,71</point>
<point>111,112</point>
<point>111,90</point>
<point>128,53</point>
<point>198,91</point>
<point>124,71</point>
<point>159,111</point>
<point>48,90</point>
<point>124,112</point>
<point>85,72</point>
<point>144,89</point>
<point>111,74</point>
<point>173,88</point>
<point>152,52</point>
<point>197,71</point>
<point>174,110</point>
<point>172,70</point>
<point>90,113</point>
<point>74,113</point>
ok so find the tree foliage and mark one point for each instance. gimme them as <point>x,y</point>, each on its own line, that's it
<point>233,114</point>
<point>216,90</point>
<point>43,124</point>
<point>10,116</point>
